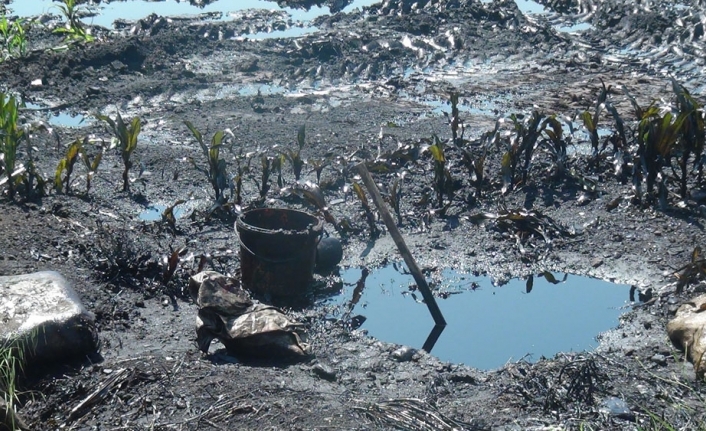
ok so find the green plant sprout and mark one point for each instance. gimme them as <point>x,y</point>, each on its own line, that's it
<point>216,172</point>
<point>13,38</point>
<point>443,182</point>
<point>125,135</point>
<point>294,156</point>
<point>66,165</point>
<point>11,136</point>
<point>73,29</point>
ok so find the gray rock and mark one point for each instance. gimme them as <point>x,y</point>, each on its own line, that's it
<point>659,359</point>
<point>404,354</point>
<point>324,371</point>
<point>42,313</point>
<point>617,408</point>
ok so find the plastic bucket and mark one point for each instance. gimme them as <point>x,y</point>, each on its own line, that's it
<point>278,251</point>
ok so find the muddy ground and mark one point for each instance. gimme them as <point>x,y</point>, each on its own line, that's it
<point>365,84</point>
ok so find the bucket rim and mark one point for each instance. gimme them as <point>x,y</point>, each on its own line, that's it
<point>316,225</point>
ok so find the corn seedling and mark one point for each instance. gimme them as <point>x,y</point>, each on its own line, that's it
<point>266,165</point>
<point>394,197</point>
<point>294,156</point>
<point>555,145</point>
<point>30,178</point>
<point>13,39</point>
<point>73,29</point>
<point>168,216</point>
<point>317,166</point>
<point>216,172</point>
<point>242,166</point>
<point>126,136</point>
<point>66,166</point>
<point>692,272</point>
<point>11,136</point>
<point>590,121</point>
<point>91,164</point>
<point>658,135</point>
<point>369,215</point>
<point>455,120</point>
<point>171,263</point>
<point>692,134</point>
<point>443,182</point>
<point>522,146</point>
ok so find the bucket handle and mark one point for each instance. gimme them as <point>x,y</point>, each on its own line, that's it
<point>291,259</point>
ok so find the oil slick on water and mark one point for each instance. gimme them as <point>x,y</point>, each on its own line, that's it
<point>488,325</point>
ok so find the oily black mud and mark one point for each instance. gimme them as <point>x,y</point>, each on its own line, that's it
<point>361,86</point>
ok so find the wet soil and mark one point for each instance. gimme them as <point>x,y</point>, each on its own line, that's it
<point>365,85</point>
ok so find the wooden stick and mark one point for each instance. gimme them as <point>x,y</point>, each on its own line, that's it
<point>401,246</point>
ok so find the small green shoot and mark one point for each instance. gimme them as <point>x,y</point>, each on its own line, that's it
<point>11,136</point>
<point>168,216</point>
<point>443,182</point>
<point>126,136</point>
<point>66,165</point>
<point>73,29</point>
<point>369,215</point>
<point>13,38</point>
<point>294,156</point>
<point>318,165</point>
<point>692,135</point>
<point>91,164</point>
<point>590,121</point>
<point>217,170</point>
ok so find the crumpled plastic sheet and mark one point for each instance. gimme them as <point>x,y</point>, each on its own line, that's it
<point>687,331</point>
<point>244,326</point>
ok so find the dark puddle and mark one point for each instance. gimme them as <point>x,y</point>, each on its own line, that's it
<point>488,325</point>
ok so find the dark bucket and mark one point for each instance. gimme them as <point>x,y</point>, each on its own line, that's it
<point>278,251</point>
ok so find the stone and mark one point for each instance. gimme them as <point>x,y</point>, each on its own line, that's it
<point>43,315</point>
<point>329,253</point>
<point>687,331</point>
<point>659,359</point>
<point>404,354</point>
<point>324,371</point>
<point>617,408</point>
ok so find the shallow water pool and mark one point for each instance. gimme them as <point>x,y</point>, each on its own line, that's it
<point>487,325</point>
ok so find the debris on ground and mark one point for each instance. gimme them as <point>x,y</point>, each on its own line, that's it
<point>245,327</point>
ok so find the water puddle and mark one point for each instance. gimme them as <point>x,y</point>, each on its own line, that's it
<point>58,119</point>
<point>130,10</point>
<point>487,325</point>
<point>487,108</point>
<point>154,212</point>
<point>529,6</point>
<point>581,26</point>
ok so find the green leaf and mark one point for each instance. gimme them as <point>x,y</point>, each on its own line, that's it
<point>438,153</point>
<point>58,184</point>
<point>360,193</point>
<point>301,136</point>
<point>588,121</point>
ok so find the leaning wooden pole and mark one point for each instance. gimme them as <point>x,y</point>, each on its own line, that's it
<point>401,245</point>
